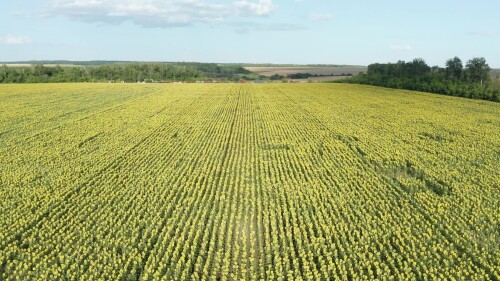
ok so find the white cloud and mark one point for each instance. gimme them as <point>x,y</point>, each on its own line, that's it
<point>406,48</point>
<point>320,17</point>
<point>263,7</point>
<point>158,13</point>
<point>15,40</point>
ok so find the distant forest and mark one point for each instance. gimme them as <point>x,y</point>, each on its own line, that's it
<point>126,72</point>
<point>472,81</point>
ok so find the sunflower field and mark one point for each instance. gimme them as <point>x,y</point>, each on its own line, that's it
<point>247,182</point>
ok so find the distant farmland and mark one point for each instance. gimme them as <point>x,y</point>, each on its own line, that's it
<point>246,182</point>
<point>318,70</point>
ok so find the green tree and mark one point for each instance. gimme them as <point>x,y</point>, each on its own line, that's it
<point>3,73</point>
<point>454,68</point>
<point>478,70</point>
<point>418,67</point>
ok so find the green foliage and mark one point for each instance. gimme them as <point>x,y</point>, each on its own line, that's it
<point>275,77</point>
<point>219,71</point>
<point>478,70</point>
<point>127,72</point>
<point>473,82</point>
<point>454,68</point>
<point>299,75</point>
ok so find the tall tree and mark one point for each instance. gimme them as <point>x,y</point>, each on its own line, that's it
<point>454,68</point>
<point>478,70</point>
<point>418,67</point>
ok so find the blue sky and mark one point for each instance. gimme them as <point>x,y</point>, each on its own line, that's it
<point>251,31</point>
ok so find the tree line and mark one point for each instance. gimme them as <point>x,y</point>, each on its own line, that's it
<point>472,81</point>
<point>129,72</point>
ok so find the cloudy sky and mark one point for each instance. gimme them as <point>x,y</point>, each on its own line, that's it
<point>251,31</point>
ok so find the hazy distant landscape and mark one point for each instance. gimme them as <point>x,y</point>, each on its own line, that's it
<point>318,70</point>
